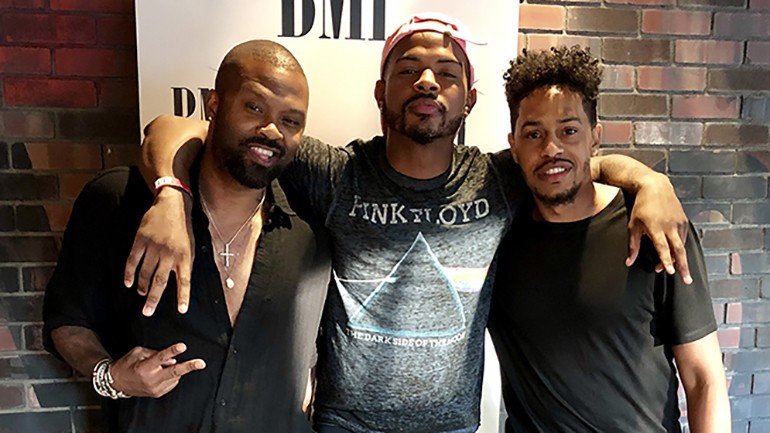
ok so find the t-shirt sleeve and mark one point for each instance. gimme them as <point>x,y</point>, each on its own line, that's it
<point>511,179</point>
<point>72,297</point>
<point>310,179</point>
<point>690,315</point>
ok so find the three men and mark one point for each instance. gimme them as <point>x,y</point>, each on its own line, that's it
<point>260,275</point>
<point>414,222</point>
<point>585,343</point>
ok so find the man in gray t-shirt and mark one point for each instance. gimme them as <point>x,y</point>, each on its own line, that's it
<point>414,222</point>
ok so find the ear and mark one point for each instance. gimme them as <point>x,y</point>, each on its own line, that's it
<point>212,104</point>
<point>597,139</point>
<point>379,93</point>
<point>512,143</point>
<point>470,101</point>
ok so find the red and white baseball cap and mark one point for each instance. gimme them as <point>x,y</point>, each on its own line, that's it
<point>438,23</point>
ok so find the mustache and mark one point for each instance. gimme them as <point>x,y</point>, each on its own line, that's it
<point>428,96</point>
<point>553,161</point>
<point>274,145</point>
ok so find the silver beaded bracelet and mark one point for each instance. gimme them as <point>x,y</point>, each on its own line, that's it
<point>102,380</point>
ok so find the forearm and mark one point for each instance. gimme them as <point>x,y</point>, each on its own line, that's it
<point>626,173</point>
<point>80,347</point>
<point>170,146</point>
<point>708,410</point>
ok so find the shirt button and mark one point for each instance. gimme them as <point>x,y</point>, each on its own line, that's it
<point>235,351</point>
<point>222,402</point>
<point>204,249</point>
<point>216,301</point>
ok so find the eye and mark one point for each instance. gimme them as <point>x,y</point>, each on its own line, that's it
<point>254,107</point>
<point>408,71</point>
<point>533,135</point>
<point>291,123</point>
<point>448,74</point>
<point>570,130</point>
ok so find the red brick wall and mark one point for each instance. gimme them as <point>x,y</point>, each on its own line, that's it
<point>687,90</point>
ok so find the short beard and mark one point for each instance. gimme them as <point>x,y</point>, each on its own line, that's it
<point>235,162</point>
<point>419,133</point>
<point>562,198</point>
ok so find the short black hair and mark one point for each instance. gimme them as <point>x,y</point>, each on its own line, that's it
<point>231,70</point>
<point>572,68</point>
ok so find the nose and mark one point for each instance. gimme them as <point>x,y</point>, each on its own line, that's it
<point>270,132</point>
<point>426,83</point>
<point>551,148</point>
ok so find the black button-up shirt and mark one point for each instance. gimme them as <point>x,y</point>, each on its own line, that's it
<point>256,372</point>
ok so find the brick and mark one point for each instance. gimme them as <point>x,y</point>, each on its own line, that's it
<point>716,3</point>
<point>718,264</point>
<point>9,280</point>
<point>28,27</point>
<point>759,4</point>
<point>32,219</point>
<point>10,338</point>
<point>733,187</point>
<point>740,25</point>
<point>763,337</point>
<point>753,162</point>
<point>602,20</point>
<point>126,6</point>
<point>38,422</point>
<point>757,311</point>
<point>734,313</point>
<point>755,263</point>
<point>28,249</point>
<point>756,110</point>
<point>618,77</point>
<point>642,2</point>
<point>21,308</point>
<point>121,155</point>
<point>758,53</point>
<point>707,212</point>
<point>668,133</point>
<point>739,384</point>
<point>7,219</point>
<point>66,394</point>
<point>747,338</point>
<point>735,264</point>
<point>20,157</point>
<point>546,41</point>
<point>23,60</point>
<point>708,52</point>
<point>762,383</point>
<point>729,338</point>
<point>11,397</point>
<point>616,132</point>
<point>95,62</point>
<point>734,288</point>
<point>733,239</point>
<point>734,134</point>
<point>751,213</point>
<point>704,107</point>
<point>636,50</point>
<point>116,30</point>
<point>726,79</point>
<point>667,78</point>
<point>27,124</point>
<point>654,159</point>
<point>719,313</point>
<point>699,161</point>
<point>5,161</point>
<point>55,93</point>
<point>33,337</point>
<point>75,29</point>
<point>34,367</point>
<point>70,185</point>
<point>58,215</point>
<point>92,125</point>
<point>672,22</point>
<point>54,155</point>
<point>36,278</point>
<point>541,17</point>
<point>686,187</point>
<point>28,4</point>
<point>621,105</point>
<point>118,94</point>
<point>27,186</point>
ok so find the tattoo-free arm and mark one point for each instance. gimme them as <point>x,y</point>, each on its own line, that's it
<point>702,373</point>
<point>164,241</point>
<point>657,211</point>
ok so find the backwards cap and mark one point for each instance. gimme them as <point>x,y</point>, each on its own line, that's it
<point>433,22</point>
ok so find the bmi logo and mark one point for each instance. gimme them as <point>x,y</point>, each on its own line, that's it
<point>332,13</point>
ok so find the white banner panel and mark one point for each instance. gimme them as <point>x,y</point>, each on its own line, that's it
<point>338,42</point>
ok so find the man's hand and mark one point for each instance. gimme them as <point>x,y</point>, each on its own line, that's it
<point>658,214</point>
<point>164,243</point>
<point>150,373</point>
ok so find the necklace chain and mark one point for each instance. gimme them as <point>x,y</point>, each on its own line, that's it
<point>226,253</point>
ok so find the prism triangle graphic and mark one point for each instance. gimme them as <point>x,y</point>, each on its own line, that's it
<point>416,299</point>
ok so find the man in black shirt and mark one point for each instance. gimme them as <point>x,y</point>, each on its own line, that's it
<point>239,360</point>
<point>587,344</point>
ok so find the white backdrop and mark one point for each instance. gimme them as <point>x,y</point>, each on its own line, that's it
<point>181,42</point>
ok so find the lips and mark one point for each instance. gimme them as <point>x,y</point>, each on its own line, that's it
<point>554,170</point>
<point>424,106</point>
<point>264,152</point>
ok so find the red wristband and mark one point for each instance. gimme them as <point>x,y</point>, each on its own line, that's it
<point>172,182</point>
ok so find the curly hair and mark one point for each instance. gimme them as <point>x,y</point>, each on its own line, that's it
<point>573,68</point>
